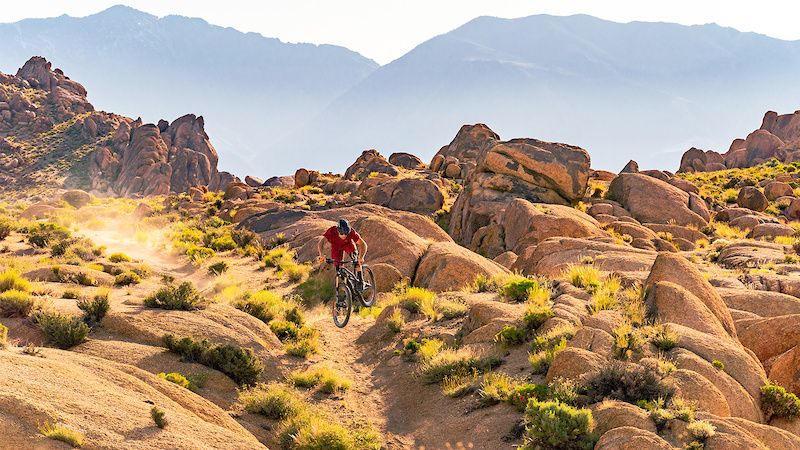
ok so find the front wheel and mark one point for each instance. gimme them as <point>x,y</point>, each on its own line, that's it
<point>342,305</point>
<point>368,293</point>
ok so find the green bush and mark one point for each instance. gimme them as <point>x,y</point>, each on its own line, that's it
<point>284,330</point>
<point>218,268</point>
<point>15,303</point>
<point>183,297</point>
<point>127,278</point>
<point>119,257</point>
<point>43,235</point>
<point>59,330</point>
<point>511,336</point>
<point>520,396</point>
<point>559,425</point>
<point>240,364</point>
<point>522,291</point>
<point>6,227</point>
<point>627,382</point>
<point>775,401</point>
<point>158,416</point>
<point>315,290</point>
<point>223,243</point>
<point>178,379</point>
<point>536,316</point>
<point>295,316</point>
<point>94,310</point>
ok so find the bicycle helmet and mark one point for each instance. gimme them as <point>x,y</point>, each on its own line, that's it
<point>343,227</point>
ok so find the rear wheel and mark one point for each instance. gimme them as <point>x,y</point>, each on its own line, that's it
<point>368,293</point>
<point>342,305</point>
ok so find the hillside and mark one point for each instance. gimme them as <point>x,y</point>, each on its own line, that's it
<point>647,308</point>
<point>251,89</point>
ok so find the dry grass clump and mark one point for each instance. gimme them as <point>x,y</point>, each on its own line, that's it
<point>12,280</point>
<point>439,362</point>
<point>3,336</point>
<point>420,300</point>
<point>303,426</point>
<point>264,305</point>
<point>63,432</point>
<point>328,379</point>
<point>496,388</point>
<point>14,303</point>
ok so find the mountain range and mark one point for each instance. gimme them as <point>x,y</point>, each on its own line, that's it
<point>643,91</point>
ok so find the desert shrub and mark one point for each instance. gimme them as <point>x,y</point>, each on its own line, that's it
<point>718,364</point>
<point>159,416</point>
<point>223,243</point>
<point>6,227</point>
<point>315,290</point>
<point>523,393</point>
<point>243,237</point>
<point>284,330</point>
<point>275,401</point>
<point>59,330</point>
<point>94,310</point>
<point>127,278</point>
<point>306,343</point>
<point>627,382</point>
<point>43,235</point>
<point>263,305</point>
<point>485,283</point>
<point>240,364</point>
<point>451,308</point>
<point>15,303</point>
<point>496,388</point>
<point>179,379</point>
<point>412,298</point>
<point>295,316</point>
<point>665,339</point>
<point>460,384</point>
<point>396,321</point>
<point>218,268</point>
<point>70,294</point>
<point>524,290</point>
<point>311,430</point>
<point>559,425</point>
<point>12,280</point>
<point>542,359</point>
<point>64,433</point>
<point>183,297</point>
<point>119,257</point>
<point>3,336</point>
<point>510,336</point>
<point>536,316</point>
<point>199,254</point>
<point>276,256</point>
<point>775,401</point>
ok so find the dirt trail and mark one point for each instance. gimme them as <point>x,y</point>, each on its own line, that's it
<point>385,389</point>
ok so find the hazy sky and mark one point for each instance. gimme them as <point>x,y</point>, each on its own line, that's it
<point>385,30</point>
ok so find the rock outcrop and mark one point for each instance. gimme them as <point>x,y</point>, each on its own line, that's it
<point>125,157</point>
<point>778,137</point>
<point>651,200</point>
<point>525,169</point>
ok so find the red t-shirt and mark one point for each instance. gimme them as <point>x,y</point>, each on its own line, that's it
<point>338,245</point>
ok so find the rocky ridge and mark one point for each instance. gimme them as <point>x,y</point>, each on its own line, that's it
<point>47,126</point>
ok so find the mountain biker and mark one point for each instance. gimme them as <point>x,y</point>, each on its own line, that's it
<point>343,238</point>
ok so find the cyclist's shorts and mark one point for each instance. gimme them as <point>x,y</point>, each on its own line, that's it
<point>339,255</point>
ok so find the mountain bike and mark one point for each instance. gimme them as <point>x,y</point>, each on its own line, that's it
<point>346,290</point>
